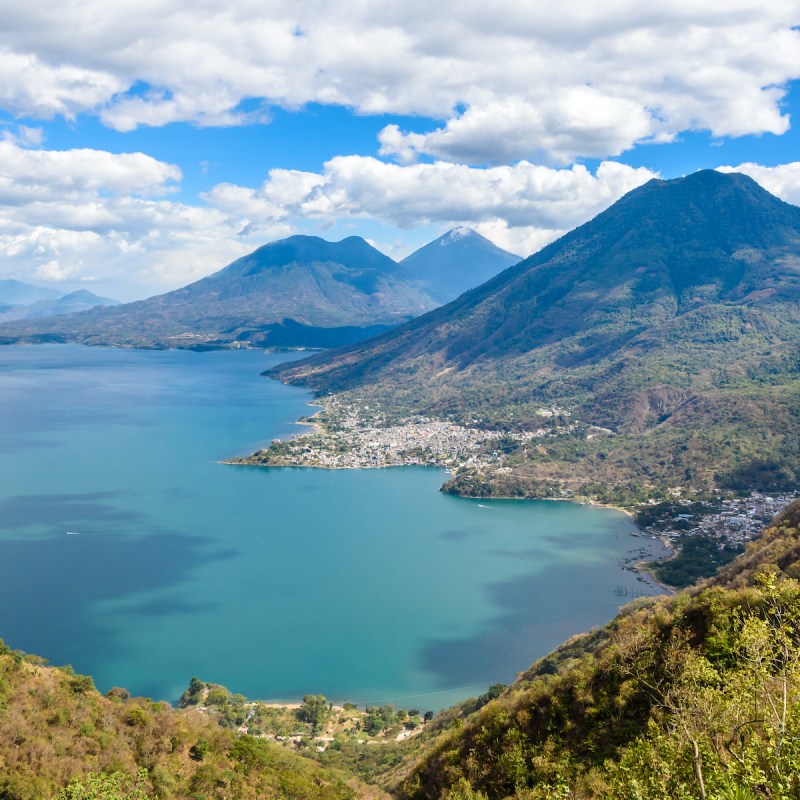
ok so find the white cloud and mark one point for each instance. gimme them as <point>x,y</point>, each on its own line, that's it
<point>87,214</point>
<point>79,215</point>
<point>277,199</point>
<point>83,214</point>
<point>782,180</point>
<point>578,121</point>
<point>524,195</point>
<point>23,135</point>
<point>521,207</point>
<point>32,87</point>
<point>40,174</point>
<point>511,79</point>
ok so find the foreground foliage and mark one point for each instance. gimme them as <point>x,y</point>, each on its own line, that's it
<point>696,696</point>
<point>692,696</point>
<point>60,738</point>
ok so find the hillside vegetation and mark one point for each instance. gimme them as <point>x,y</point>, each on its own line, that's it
<point>56,728</point>
<point>672,319</point>
<point>693,696</point>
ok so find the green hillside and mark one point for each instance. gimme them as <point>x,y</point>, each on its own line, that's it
<point>672,319</point>
<point>693,696</point>
<point>55,728</point>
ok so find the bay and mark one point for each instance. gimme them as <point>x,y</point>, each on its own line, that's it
<point>128,551</point>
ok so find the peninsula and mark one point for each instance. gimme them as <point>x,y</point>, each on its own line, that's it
<point>666,329</point>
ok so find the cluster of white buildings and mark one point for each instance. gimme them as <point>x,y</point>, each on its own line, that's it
<point>734,521</point>
<point>357,444</point>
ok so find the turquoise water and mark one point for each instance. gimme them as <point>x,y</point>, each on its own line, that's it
<point>127,551</point>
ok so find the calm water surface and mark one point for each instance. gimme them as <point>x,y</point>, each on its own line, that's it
<point>127,551</point>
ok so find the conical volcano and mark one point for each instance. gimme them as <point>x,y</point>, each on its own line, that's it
<point>674,310</point>
<point>302,290</point>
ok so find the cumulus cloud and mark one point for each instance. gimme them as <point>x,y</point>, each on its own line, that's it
<point>88,214</point>
<point>23,135</point>
<point>39,174</point>
<point>522,207</point>
<point>78,215</point>
<point>782,180</point>
<point>83,214</point>
<point>276,200</point>
<point>32,87</point>
<point>523,195</point>
<point>511,80</point>
<point>578,121</point>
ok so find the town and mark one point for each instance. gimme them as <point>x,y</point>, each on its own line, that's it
<point>353,437</point>
<point>348,436</point>
<point>731,521</point>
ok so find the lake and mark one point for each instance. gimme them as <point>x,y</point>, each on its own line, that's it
<point>129,552</point>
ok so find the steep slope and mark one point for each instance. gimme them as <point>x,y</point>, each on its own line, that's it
<point>674,310</point>
<point>676,699</point>
<point>55,727</point>
<point>459,260</point>
<point>295,289</point>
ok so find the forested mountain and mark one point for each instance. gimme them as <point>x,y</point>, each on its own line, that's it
<point>671,319</point>
<point>298,291</point>
<point>461,259</point>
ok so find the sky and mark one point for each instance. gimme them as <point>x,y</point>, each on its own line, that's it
<point>144,146</point>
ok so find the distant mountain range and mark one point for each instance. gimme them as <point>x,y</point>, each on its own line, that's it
<point>672,318</point>
<point>16,293</point>
<point>81,300</point>
<point>20,301</point>
<point>300,291</point>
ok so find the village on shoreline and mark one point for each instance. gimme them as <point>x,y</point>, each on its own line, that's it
<point>348,436</point>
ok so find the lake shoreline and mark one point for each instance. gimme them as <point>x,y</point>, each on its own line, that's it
<point>308,449</point>
<point>260,563</point>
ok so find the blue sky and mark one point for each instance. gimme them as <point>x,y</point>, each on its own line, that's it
<point>141,150</point>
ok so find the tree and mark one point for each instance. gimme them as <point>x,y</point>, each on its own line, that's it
<point>198,750</point>
<point>107,786</point>
<point>314,710</point>
<point>193,695</point>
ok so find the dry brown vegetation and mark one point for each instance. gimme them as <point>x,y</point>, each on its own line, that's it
<point>54,726</point>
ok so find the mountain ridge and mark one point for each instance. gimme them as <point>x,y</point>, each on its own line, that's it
<point>70,303</point>
<point>299,281</point>
<point>14,292</point>
<point>299,291</point>
<point>682,295</point>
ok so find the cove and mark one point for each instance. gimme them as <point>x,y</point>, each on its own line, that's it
<point>129,552</point>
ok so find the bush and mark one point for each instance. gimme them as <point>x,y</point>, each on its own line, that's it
<point>199,750</point>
